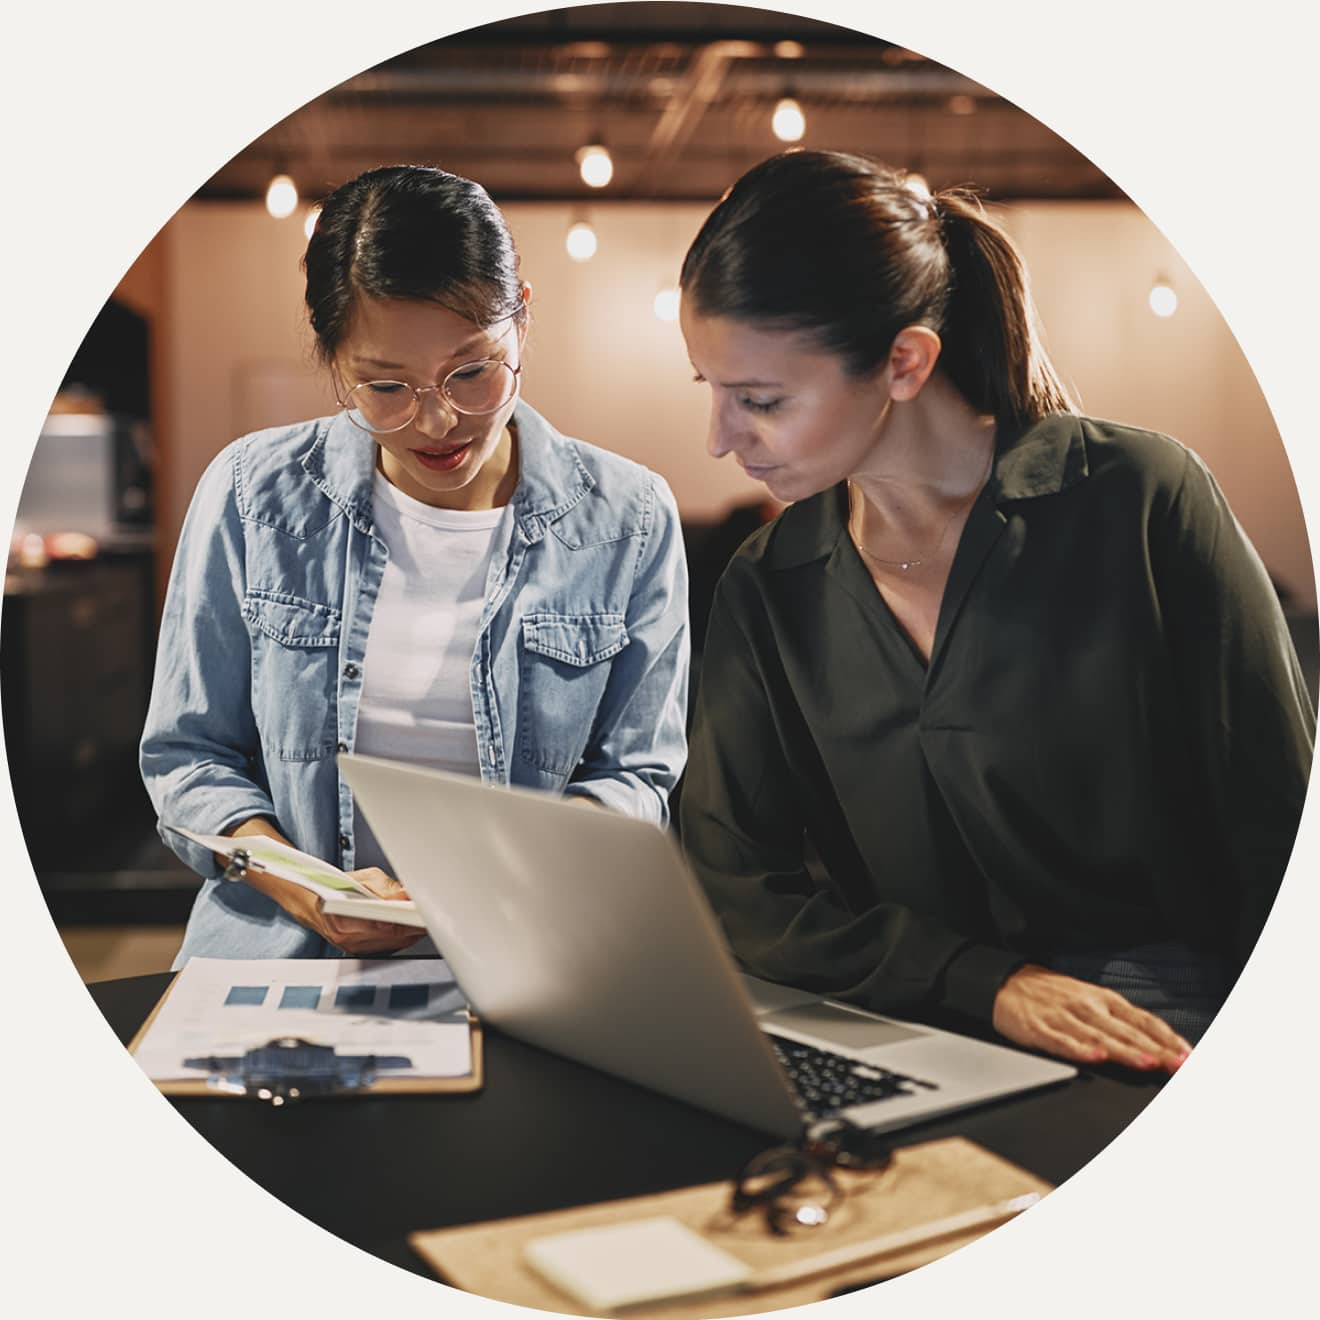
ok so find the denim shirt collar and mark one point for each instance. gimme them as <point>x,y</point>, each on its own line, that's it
<point>341,463</point>
<point>551,476</point>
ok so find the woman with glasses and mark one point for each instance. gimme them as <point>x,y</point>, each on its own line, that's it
<point>433,575</point>
<point>1015,675</point>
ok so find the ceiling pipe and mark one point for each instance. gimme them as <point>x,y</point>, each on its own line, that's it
<point>699,88</point>
<point>844,82</point>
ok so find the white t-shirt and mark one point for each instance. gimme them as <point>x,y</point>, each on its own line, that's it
<point>416,702</point>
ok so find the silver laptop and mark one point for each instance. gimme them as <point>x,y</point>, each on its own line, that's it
<point>583,931</point>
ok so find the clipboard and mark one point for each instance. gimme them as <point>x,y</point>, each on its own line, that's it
<point>381,1084</point>
<point>339,893</point>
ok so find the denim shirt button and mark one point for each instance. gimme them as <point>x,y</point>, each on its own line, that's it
<point>344,841</point>
<point>351,670</point>
<point>341,746</point>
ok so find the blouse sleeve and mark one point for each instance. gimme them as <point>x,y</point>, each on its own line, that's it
<point>1244,704</point>
<point>743,830</point>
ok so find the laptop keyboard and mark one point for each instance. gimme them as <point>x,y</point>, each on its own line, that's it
<point>826,1082</point>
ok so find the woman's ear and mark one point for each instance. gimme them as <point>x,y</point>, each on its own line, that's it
<point>912,358</point>
<point>525,320</point>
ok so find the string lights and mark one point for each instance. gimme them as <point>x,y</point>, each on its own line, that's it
<point>595,165</point>
<point>788,123</point>
<point>1163,297</point>
<point>281,196</point>
<point>666,304</point>
<point>580,241</point>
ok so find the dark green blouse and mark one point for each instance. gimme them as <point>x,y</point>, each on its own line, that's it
<point>1109,747</point>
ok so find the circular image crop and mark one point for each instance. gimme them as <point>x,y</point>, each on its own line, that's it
<point>654,657</point>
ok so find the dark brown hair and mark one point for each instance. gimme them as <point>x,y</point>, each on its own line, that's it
<point>844,248</point>
<point>409,231</point>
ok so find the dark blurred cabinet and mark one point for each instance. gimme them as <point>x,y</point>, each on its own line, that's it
<point>75,660</point>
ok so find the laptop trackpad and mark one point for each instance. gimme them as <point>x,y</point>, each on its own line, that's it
<point>840,1026</point>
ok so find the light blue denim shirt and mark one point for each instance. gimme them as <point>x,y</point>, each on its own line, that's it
<point>578,679</point>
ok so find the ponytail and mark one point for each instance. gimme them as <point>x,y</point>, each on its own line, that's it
<point>847,250</point>
<point>992,350</point>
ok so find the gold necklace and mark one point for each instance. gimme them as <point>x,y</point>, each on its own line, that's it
<point>906,565</point>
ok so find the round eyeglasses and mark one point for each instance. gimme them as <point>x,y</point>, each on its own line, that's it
<point>475,388</point>
<point>794,1186</point>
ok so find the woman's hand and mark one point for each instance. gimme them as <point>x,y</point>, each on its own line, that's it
<point>351,935</point>
<point>1083,1022</point>
<point>355,936</point>
<point>364,938</point>
<point>380,884</point>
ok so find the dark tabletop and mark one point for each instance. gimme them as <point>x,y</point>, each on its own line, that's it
<point>545,1133</point>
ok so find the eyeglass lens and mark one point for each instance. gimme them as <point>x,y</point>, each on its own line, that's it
<point>792,1188</point>
<point>389,405</point>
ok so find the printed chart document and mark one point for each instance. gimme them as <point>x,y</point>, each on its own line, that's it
<point>338,891</point>
<point>389,1006</point>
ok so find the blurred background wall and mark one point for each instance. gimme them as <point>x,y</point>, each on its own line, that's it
<point>205,339</point>
<point>601,364</point>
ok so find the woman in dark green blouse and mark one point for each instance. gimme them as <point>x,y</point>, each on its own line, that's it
<point>1016,676</point>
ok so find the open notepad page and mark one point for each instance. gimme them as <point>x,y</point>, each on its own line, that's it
<point>227,1006</point>
<point>326,881</point>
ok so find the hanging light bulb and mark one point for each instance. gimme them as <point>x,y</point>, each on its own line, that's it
<point>309,225</point>
<point>581,241</point>
<point>666,304</point>
<point>1163,298</point>
<point>788,123</point>
<point>281,196</point>
<point>595,165</point>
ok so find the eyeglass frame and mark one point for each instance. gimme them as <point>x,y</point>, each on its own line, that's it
<point>834,1143</point>
<point>786,1167</point>
<point>418,390</point>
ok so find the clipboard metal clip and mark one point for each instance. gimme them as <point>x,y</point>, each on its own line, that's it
<point>239,861</point>
<point>240,864</point>
<point>290,1068</point>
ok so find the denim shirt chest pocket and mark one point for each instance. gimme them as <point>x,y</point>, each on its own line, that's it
<point>295,650</point>
<point>564,670</point>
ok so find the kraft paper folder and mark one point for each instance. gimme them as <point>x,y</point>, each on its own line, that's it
<point>211,999</point>
<point>923,1184</point>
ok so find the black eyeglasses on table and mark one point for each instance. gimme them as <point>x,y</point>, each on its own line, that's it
<point>794,1185</point>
